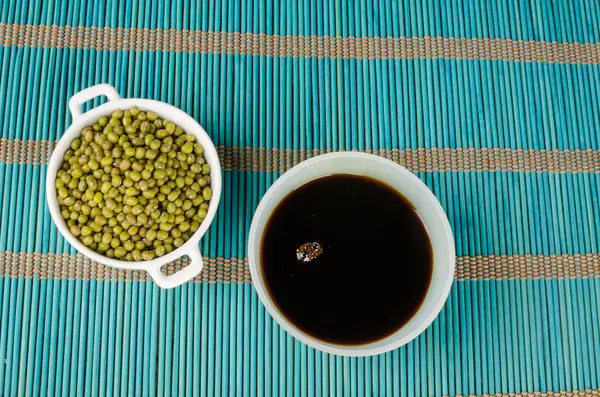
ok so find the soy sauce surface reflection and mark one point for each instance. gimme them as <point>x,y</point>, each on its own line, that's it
<point>375,268</point>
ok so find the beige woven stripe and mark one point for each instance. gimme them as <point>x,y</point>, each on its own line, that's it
<point>209,42</point>
<point>235,270</point>
<point>573,393</point>
<point>428,160</point>
<point>79,267</point>
<point>515,267</point>
<point>25,151</point>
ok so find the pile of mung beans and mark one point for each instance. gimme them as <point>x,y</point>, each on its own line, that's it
<point>134,186</point>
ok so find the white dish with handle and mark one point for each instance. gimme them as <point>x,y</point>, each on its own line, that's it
<point>165,111</point>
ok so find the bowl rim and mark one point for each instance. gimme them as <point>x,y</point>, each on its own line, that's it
<point>371,348</point>
<point>167,111</point>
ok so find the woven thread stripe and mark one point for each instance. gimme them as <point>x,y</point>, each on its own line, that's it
<point>573,393</point>
<point>235,270</point>
<point>427,160</point>
<point>209,42</point>
<point>79,267</point>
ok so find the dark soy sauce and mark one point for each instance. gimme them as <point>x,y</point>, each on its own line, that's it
<point>374,269</point>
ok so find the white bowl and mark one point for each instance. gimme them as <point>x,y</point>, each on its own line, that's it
<point>414,190</point>
<point>166,111</point>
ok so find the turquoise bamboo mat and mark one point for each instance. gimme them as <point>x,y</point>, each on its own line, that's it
<point>494,104</point>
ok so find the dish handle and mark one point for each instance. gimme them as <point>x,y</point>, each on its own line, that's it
<point>90,93</point>
<point>182,276</point>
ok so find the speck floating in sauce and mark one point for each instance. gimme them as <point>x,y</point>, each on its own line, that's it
<point>373,269</point>
<point>308,252</point>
